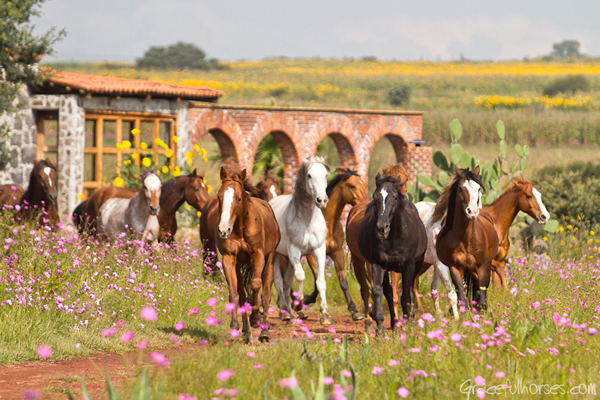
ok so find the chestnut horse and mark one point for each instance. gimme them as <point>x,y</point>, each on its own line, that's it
<point>346,188</point>
<point>268,186</point>
<point>392,237</point>
<point>247,236</point>
<point>137,216</point>
<point>39,200</point>
<point>10,195</point>
<point>468,241</point>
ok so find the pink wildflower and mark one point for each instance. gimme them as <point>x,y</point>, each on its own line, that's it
<point>149,314</point>
<point>44,351</point>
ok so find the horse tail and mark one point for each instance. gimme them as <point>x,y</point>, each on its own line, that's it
<point>469,286</point>
<point>246,273</point>
<point>78,217</point>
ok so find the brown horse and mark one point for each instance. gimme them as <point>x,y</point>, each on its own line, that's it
<point>521,196</point>
<point>247,236</point>
<point>346,188</point>
<point>10,195</point>
<point>174,193</point>
<point>268,186</point>
<point>468,241</point>
<point>39,200</point>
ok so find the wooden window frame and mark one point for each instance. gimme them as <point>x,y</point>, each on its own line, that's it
<point>41,147</point>
<point>119,117</point>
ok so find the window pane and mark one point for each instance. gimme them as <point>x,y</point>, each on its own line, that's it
<point>164,132</point>
<point>109,167</point>
<point>90,133</point>
<point>89,167</point>
<point>127,127</point>
<point>147,128</point>
<point>109,133</point>
<point>50,132</point>
<point>53,157</point>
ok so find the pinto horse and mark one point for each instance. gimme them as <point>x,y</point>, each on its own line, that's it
<point>468,241</point>
<point>268,186</point>
<point>303,232</point>
<point>392,238</point>
<point>346,188</point>
<point>39,200</point>
<point>137,216</point>
<point>247,237</point>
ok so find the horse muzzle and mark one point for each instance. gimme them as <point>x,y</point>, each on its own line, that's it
<point>383,232</point>
<point>543,219</point>
<point>52,197</point>
<point>224,234</point>
<point>321,202</point>
<point>471,214</point>
<point>154,210</point>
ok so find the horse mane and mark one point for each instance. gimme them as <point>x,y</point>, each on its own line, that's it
<point>269,175</point>
<point>252,190</point>
<point>343,175</point>
<point>394,170</point>
<point>28,195</point>
<point>300,195</point>
<point>465,174</point>
<point>515,183</point>
<point>441,204</point>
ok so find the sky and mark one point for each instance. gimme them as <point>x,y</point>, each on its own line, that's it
<point>122,30</point>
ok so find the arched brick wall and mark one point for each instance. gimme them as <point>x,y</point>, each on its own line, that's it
<point>342,130</point>
<point>226,131</point>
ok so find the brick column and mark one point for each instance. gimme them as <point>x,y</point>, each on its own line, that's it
<point>416,160</point>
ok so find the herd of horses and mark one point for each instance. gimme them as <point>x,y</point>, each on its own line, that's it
<point>262,235</point>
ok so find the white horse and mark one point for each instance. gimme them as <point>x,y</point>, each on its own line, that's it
<point>303,232</point>
<point>138,215</point>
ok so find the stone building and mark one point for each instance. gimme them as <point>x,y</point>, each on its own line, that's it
<point>78,121</point>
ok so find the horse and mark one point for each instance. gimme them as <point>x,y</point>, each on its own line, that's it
<point>303,232</point>
<point>10,195</point>
<point>268,186</point>
<point>468,241</point>
<point>392,237</point>
<point>346,188</point>
<point>137,216</point>
<point>174,193</point>
<point>41,194</point>
<point>247,237</point>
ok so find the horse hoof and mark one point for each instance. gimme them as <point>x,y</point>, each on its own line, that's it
<point>325,319</point>
<point>301,315</point>
<point>264,337</point>
<point>357,316</point>
<point>308,299</point>
<point>298,307</point>
<point>255,320</point>
<point>234,325</point>
<point>285,316</point>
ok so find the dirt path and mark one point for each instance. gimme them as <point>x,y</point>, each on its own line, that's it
<point>50,378</point>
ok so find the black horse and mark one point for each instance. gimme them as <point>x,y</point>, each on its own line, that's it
<point>392,237</point>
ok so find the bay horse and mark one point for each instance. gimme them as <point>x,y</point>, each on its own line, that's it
<point>39,200</point>
<point>137,216</point>
<point>268,186</point>
<point>345,188</point>
<point>392,237</point>
<point>247,237</point>
<point>10,195</point>
<point>468,241</point>
<point>303,232</point>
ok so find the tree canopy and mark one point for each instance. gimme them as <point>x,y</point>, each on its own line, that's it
<point>177,56</point>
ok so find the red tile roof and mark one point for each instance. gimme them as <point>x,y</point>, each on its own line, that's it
<point>84,84</point>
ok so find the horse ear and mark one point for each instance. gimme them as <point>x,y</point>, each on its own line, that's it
<point>223,173</point>
<point>476,170</point>
<point>377,179</point>
<point>243,175</point>
<point>456,170</point>
<point>193,174</point>
<point>35,160</point>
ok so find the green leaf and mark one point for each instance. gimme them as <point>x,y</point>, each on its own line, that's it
<point>504,168</point>
<point>321,393</point>
<point>443,177</point>
<point>495,183</point>
<point>455,153</point>
<point>69,393</point>
<point>519,150</point>
<point>503,149</point>
<point>551,226</point>
<point>439,159</point>
<point>112,393</point>
<point>144,389</point>
<point>515,167</point>
<point>456,129</point>
<point>84,392</point>
<point>265,387</point>
<point>526,150</point>
<point>523,163</point>
<point>500,129</point>
<point>426,180</point>
<point>489,198</point>
<point>465,160</point>
<point>430,198</point>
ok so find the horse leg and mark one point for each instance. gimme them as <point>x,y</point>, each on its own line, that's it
<point>388,292</point>
<point>320,254</point>
<point>395,277</point>
<point>361,276</point>
<point>279,272</point>
<point>441,272</point>
<point>258,265</point>
<point>338,259</point>
<point>229,268</point>
<point>457,279</point>
<point>498,268</point>
<point>378,276</point>
<point>268,274</point>
<point>482,284</point>
<point>408,280</point>
<point>312,298</point>
<point>243,301</point>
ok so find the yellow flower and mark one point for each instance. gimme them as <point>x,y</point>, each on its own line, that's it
<point>126,162</point>
<point>169,153</point>
<point>175,139</point>
<point>208,189</point>
<point>569,226</point>
<point>176,172</point>
<point>203,150</point>
<point>126,144</point>
<point>592,233</point>
<point>80,196</point>
<point>545,239</point>
<point>135,156</point>
<point>119,146</point>
<point>146,162</point>
<point>165,169</point>
<point>135,131</point>
<point>187,206</point>
<point>197,148</point>
<point>119,181</point>
<point>204,158</point>
<point>190,157</point>
<point>143,146</point>
<point>198,213</point>
<point>578,217</point>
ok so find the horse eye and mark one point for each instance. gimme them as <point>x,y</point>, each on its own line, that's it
<point>352,186</point>
<point>239,199</point>
<point>528,196</point>
<point>308,176</point>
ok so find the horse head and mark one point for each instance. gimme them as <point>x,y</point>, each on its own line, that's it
<point>312,178</point>
<point>230,197</point>
<point>196,192</point>
<point>45,174</point>
<point>530,201</point>
<point>151,188</point>
<point>386,198</point>
<point>468,196</point>
<point>269,186</point>
<point>352,188</point>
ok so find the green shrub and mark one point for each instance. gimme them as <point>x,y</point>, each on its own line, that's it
<point>399,95</point>
<point>587,170</point>
<point>567,85</point>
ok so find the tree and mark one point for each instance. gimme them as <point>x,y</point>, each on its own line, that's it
<point>176,56</point>
<point>21,49</point>
<point>567,48</point>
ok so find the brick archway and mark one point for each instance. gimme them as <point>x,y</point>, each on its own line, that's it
<point>341,130</point>
<point>226,131</point>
